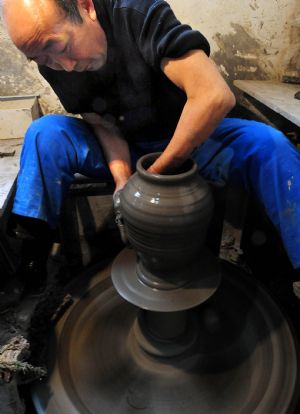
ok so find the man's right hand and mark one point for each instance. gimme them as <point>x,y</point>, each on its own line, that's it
<point>115,148</point>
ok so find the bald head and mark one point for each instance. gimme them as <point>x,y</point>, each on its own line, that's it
<point>55,36</point>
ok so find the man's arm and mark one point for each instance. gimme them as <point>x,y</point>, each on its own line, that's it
<point>115,148</point>
<point>209,99</point>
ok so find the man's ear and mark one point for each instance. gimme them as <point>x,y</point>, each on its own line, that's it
<point>87,7</point>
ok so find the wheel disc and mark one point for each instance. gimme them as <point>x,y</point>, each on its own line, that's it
<point>244,360</point>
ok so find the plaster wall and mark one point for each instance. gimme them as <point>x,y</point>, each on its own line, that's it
<point>19,77</point>
<point>250,39</point>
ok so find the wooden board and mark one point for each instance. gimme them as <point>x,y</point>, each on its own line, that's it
<point>277,96</point>
<point>16,114</point>
<point>9,168</point>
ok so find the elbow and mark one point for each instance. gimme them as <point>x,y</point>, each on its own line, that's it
<point>231,100</point>
<point>218,101</point>
<point>225,101</point>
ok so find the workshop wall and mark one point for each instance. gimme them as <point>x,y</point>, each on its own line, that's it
<point>19,77</point>
<point>250,39</point>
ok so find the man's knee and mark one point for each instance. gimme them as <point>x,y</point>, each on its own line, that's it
<point>47,127</point>
<point>49,135</point>
<point>264,142</point>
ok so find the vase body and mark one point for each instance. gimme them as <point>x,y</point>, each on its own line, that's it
<point>166,218</point>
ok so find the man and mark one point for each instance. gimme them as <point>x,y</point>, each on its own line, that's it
<point>142,82</point>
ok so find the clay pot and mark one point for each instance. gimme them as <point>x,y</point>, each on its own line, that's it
<point>166,219</point>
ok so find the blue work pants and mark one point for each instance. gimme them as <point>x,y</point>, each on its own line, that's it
<point>249,154</point>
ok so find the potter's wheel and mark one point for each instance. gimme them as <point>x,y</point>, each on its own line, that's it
<point>243,360</point>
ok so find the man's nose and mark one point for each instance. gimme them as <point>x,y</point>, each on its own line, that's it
<point>67,64</point>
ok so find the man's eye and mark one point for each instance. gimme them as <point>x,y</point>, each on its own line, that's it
<point>64,50</point>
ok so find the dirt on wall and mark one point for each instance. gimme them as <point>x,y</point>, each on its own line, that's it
<point>19,77</point>
<point>240,55</point>
<point>293,66</point>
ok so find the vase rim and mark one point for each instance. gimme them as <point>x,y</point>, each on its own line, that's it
<point>189,168</point>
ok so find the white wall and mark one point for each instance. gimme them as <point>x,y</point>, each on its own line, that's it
<point>19,77</point>
<point>250,39</point>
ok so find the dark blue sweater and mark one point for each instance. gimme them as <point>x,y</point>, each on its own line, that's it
<point>131,89</point>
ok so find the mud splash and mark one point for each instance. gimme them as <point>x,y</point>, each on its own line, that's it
<point>240,55</point>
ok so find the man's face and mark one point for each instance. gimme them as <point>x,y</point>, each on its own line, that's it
<point>44,34</point>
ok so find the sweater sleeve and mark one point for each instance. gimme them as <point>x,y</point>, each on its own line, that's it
<point>159,34</point>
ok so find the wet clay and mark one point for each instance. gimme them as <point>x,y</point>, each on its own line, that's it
<point>166,219</point>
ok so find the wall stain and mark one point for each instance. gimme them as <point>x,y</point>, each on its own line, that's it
<point>239,55</point>
<point>18,77</point>
<point>254,6</point>
<point>293,65</point>
<point>15,77</point>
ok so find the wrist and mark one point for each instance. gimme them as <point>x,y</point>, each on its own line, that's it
<point>120,185</point>
<point>121,172</point>
<point>165,165</point>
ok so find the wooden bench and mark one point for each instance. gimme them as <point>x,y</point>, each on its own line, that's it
<point>9,167</point>
<point>16,114</point>
<point>277,96</point>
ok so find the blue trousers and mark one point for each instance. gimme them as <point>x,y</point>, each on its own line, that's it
<point>245,153</point>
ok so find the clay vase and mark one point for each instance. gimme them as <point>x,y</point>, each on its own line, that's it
<point>166,219</point>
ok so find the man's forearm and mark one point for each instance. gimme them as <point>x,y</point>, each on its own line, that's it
<point>209,99</point>
<point>114,147</point>
<point>117,155</point>
<point>197,122</point>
